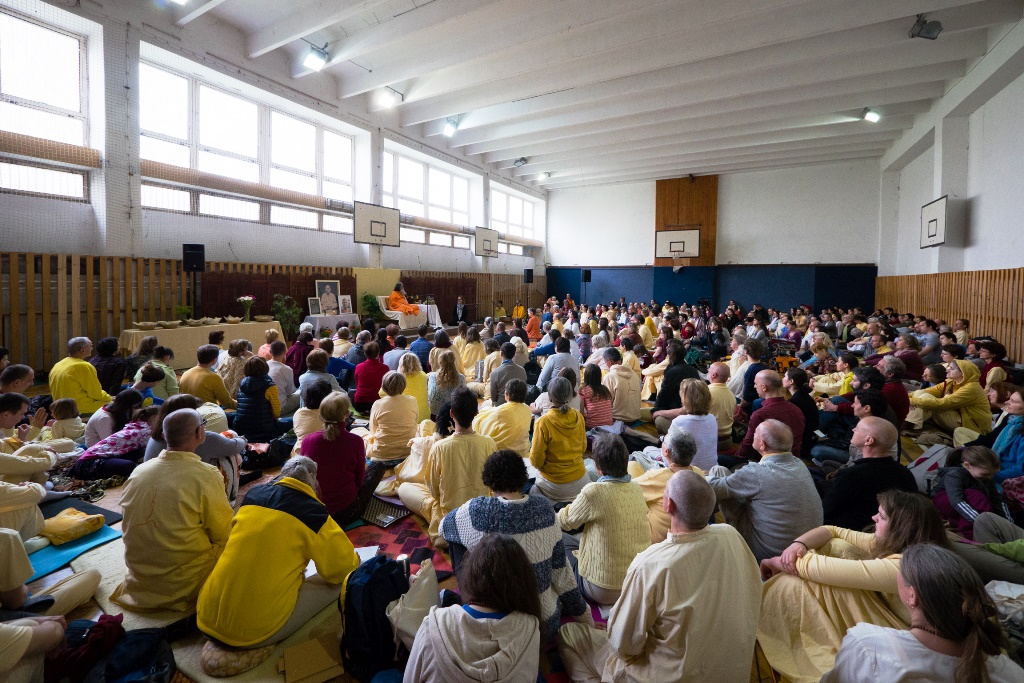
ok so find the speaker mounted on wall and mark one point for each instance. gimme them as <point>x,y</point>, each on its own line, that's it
<point>193,258</point>
<point>527,276</point>
<point>586,275</point>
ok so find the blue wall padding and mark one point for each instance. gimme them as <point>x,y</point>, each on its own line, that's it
<point>845,286</point>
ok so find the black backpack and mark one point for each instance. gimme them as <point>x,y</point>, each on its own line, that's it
<point>368,641</point>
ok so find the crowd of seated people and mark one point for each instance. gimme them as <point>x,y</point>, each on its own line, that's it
<point>776,505</point>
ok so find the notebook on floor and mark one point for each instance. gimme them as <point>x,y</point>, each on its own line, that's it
<point>383,514</point>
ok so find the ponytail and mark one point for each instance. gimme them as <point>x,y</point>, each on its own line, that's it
<point>984,639</point>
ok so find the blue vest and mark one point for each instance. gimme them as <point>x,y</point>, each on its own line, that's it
<point>254,416</point>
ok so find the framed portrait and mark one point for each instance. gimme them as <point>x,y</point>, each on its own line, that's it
<point>314,305</point>
<point>345,301</point>
<point>327,293</point>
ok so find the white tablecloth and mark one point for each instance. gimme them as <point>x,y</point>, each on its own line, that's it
<point>428,314</point>
<point>331,321</point>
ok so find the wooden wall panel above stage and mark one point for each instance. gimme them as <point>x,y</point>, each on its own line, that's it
<point>685,204</point>
<point>993,300</point>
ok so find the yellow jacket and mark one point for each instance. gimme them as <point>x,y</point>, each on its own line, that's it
<point>416,386</point>
<point>76,378</point>
<point>508,425</point>
<point>288,518</point>
<point>454,466</point>
<point>471,353</point>
<point>206,385</point>
<point>393,421</point>
<point>966,397</point>
<point>559,441</point>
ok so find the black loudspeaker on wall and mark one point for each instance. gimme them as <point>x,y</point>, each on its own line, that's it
<point>193,258</point>
<point>586,275</point>
<point>527,276</point>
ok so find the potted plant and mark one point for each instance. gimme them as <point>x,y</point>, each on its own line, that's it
<point>288,313</point>
<point>183,312</point>
<point>372,307</point>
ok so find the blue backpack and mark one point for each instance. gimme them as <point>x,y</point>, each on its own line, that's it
<point>368,641</point>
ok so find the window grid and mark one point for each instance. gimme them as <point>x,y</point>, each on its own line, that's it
<point>263,160</point>
<point>511,215</point>
<point>445,208</point>
<point>25,178</point>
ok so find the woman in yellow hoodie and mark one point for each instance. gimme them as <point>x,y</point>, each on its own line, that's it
<point>559,441</point>
<point>960,401</point>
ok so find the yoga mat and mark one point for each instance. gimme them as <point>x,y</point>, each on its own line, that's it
<point>53,557</point>
<point>53,507</point>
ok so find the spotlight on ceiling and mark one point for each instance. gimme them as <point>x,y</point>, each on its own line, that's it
<point>389,97</point>
<point>450,126</point>
<point>521,161</point>
<point>544,176</point>
<point>922,28</point>
<point>871,116</point>
<point>316,58</point>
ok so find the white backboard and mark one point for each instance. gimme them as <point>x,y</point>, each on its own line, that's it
<point>933,223</point>
<point>374,224</point>
<point>487,242</point>
<point>677,244</point>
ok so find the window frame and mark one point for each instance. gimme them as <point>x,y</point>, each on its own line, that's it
<point>395,196</point>
<point>86,189</point>
<point>507,232</point>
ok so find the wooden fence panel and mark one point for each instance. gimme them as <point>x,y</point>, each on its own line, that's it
<point>992,300</point>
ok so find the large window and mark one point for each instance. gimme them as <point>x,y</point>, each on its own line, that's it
<point>512,215</point>
<point>190,123</point>
<point>425,191</point>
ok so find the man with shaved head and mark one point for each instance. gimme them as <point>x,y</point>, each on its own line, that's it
<point>768,384</point>
<point>853,497</point>
<point>176,522</point>
<point>772,501</point>
<point>723,403</point>
<point>671,623</point>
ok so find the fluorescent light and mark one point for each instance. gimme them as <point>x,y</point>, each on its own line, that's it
<point>180,2</point>
<point>449,128</point>
<point>544,176</point>
<point>316,59</point>
<point>871,116</point>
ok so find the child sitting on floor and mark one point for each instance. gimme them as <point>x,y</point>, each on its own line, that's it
<point>966,487</point>
<point>121,452</point>
<point>67,422</point>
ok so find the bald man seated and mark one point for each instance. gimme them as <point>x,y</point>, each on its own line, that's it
<point>176,522</point>
<point>723,403</point>
<point>772,501</point>
<point>672,623</point>
<point>853,496</point>
<point>768,384</point>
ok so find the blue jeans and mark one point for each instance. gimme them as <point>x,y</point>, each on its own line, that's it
<point>822,453</point>
<point>825,419</point>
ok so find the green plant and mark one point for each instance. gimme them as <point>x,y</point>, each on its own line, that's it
<point>183,312</point>
<point>371,307</point>
<point>287,312</point>
<point>325,332</point>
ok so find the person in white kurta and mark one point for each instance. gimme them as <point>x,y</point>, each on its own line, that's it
<point>689,605</point>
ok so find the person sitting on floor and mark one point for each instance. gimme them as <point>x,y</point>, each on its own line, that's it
<point>830,579</point>
<point>453,469</point>
<point>445,380</point>
<point>223,451</point>
<point>415,384</point>
<point>509,423</point>
<point>660,629</point>
<point>954,633</point>
<point>121,452</point>
<point>838,447</point>
<point>270,336</point>
<point>368,375</point>
<point>289,517</point>
<point>295,357</point>
<point>112,417</point>
<point>530,521</point>
<point>148,378</point>
<point>67,423</point>
<point>232,368</point>
<point>110,367</point>
<point>625,387</point>
<point>495,633</point>
<point>284,380</point>
<point>998,393</point>
<point>960,401</point>
<point>595,399</point>
<point>143,354</point>
<point>966,487</point>
<point>422,346</point>
<point>316,370</point>
<point>772,501</point>
<point>342,343</point>
<point>613,514</point>
<point>797,383</point>
<point>472,351</point>
<point>559,442</point>
<point>19,510</point>
<point>258,407</point>
<point>393,421</point>
<point>355,355</point>
<point>336,367</point>
<point>504,373</point>
<point>838,382</point>
<point>204,383</point>
<point>167,564</point>
<point>392,357</point>
<point>693,416</point>
<point>678,450</point>
<point>74,377</point>
<point>668,399</point>
<point>774,406</point>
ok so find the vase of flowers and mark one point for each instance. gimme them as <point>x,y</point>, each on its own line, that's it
<point>246,302</point>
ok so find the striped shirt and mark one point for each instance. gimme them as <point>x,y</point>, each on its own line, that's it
<point>597,411</point>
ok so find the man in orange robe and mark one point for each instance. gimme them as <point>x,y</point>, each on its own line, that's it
<point>398,302</point>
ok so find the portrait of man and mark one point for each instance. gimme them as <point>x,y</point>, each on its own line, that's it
<point>327,292</point>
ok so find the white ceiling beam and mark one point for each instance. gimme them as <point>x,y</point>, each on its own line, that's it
<point>651,41</point>
<point>304,20</point>
<point>496,100</point>
<point>710,169</point>
<point>494,27</point>
<point>810,113</point>
<point>661,146</point>
<point>188,14</point>
<point>675,157</point>
<point>678,104</point>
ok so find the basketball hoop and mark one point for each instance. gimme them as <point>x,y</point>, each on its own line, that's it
<point>677,259</point>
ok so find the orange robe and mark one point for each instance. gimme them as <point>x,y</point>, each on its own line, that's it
<point>398,302</point>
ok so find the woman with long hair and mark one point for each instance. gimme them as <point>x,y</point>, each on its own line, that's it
<point>472,351</point>
<point>415,383</point>
<point>443,342</point>
<point>830,579</point>
<point>445,380</point>
<point>142,355</point>
<point>232,368</point>
<point>497,628</point>
<point>595,399</point>
<point>954,629</point>
<point>112,417</point>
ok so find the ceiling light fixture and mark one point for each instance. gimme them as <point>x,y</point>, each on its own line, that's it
<point>316,58</point>
<point>871,116</point>
<point>180,2</point>
<point>450,126</point>
<point>544,176</point>
<point>922,28</point>
<point>389,97</point>
<point>521,161</point>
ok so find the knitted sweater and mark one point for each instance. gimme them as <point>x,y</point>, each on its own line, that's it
<point>531,523</point>
<point>615,514</point>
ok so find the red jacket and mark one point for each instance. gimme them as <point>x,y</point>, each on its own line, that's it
<point>296,358</point>
<point>369,376</point>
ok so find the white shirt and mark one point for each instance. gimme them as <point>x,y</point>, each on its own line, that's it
<point>704,430</point>
<point>874,653</point>
<point>284,380</point>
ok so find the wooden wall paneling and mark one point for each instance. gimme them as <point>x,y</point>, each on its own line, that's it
<point>46,309</point>
<point>115,295</point>
<point>16,348</point>
<point>90,297</point>
<point>62,301</point>
<point>140,291</point>
<point>682,202</point>
<point>75,282</point>
<point>32,345</point>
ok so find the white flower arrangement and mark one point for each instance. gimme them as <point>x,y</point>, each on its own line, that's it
<point>247,299</point>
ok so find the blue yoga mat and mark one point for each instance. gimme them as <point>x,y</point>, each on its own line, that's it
<point>53,557</point>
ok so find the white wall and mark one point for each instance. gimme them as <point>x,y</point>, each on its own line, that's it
<point>608,225</point>
<point>916,189</point>
<point>995,238</point>
<point>813,214</point>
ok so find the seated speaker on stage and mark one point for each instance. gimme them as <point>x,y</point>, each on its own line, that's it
<point>398,302</point>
